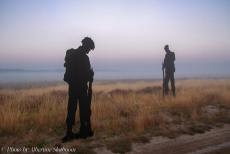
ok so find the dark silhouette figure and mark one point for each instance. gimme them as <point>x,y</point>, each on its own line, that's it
<point>169,68</point>
<point>78,75</point>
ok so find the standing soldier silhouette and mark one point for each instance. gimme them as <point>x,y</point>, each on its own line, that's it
<point>169,67</point>
<point>78,75</point>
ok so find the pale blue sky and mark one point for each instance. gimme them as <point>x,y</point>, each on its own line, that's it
<point>127,33</point>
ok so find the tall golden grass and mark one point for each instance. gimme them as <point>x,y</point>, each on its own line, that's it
<point>117,107</point>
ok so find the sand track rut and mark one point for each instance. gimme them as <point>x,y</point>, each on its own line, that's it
<point>198,144</point>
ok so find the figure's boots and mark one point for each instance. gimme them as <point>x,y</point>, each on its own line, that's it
<point>85,131</point>
<point>174,93</point>
<point>69,135</point>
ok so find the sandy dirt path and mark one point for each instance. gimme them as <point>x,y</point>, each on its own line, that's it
<point>213,141</point>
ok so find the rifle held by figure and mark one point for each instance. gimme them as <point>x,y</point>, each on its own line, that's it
<point>90,91</point>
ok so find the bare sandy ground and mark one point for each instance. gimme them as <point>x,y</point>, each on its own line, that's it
<point>215,141</point>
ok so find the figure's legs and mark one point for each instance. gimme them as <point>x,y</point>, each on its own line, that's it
<point>84,105</point>
<point>172,81</point>
<point>71,112</point>
<point>166,81</point>
<point>72,106</point>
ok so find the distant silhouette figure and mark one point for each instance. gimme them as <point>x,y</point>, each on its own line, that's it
<point>78,74</point>
<point>169,67</point>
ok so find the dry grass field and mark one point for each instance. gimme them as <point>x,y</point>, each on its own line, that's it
<point>36,116</point>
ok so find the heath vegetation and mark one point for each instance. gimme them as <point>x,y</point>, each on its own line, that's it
<point>36,116</point>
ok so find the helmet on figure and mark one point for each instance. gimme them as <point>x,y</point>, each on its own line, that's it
<point>88,42</point>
